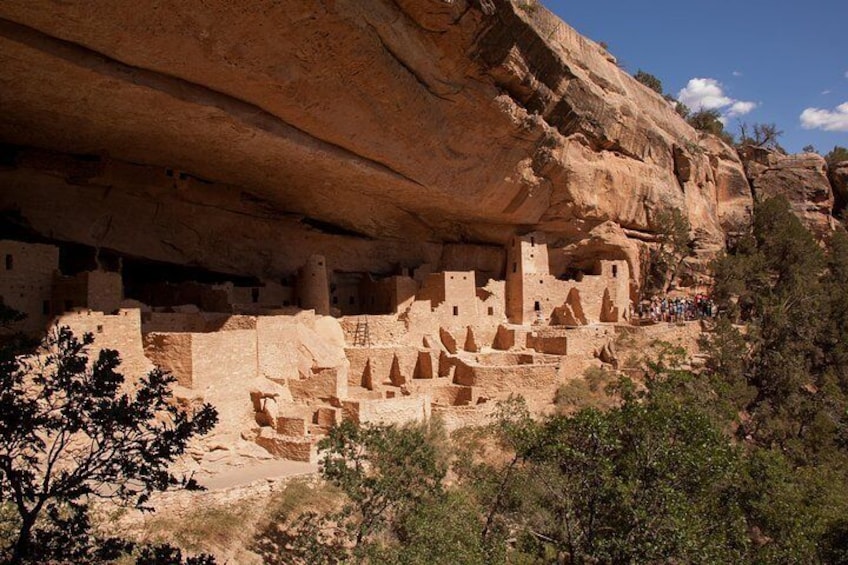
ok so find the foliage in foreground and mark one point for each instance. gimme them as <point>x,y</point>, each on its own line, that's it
<point>396,508</point>
<point>744,462</point>
<point>69,432</point>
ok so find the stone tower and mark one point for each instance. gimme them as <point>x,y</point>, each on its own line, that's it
<point>313,288</point>
<point>527,259</point>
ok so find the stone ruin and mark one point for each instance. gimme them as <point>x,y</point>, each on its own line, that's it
<point>284,361</point>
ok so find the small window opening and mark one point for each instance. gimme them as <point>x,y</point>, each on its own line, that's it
<point>456,310</point>
<point>532,242</point>
<point>10,262</point>
<point>491,310</point>
<point>254,294</point>
<point>320,263</point>
<point>100,329</point>
<point>515,267</point>
<point>614,271</point>
<point>537,306</point>
<point>541,281</point>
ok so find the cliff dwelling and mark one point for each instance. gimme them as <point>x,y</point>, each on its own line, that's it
<point>284,360</point>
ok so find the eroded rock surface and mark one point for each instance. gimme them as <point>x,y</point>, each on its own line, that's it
<point>244,137</point>
<point>838,175</point>
<point>801,178</point>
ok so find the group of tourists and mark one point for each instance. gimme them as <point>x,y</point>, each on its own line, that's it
<point>665,309</point>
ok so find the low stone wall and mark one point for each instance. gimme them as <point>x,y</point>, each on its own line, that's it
<point>551,340</point>
<point>585,340</point>
<point>453,395</point>
<point>501,381</point>
<point>288,447</point>
<point>456,417</point>
<point>380,361</point>
<point>400,411</point>
<point>324,385</point>
<point>509,337</point>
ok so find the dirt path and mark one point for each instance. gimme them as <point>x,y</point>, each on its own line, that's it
<point>268,470</point>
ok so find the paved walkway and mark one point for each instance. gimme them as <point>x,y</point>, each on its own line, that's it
<point>268,470</point>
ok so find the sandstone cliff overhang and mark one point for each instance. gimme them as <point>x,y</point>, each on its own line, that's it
<point>228,134</point>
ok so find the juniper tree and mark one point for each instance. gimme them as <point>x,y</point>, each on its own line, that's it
<point>71,430</point>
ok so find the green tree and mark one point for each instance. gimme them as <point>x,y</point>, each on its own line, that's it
<point>673,246</point>
<point>392,480</point>
<point>648,481</point>
<point>69,433</point>
<point>709,121</point>
<point>682,110</point>
<point>837,155</point>
<point>649,80</point>
<point>792,297</point>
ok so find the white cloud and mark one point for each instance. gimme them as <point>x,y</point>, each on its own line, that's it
<point>708,94</point>
<point>826,92</point>
<point>846,74</point>
<point>827,120</point>
<point>704,94</point>
<point>737,73</point>
<point>740,108</point>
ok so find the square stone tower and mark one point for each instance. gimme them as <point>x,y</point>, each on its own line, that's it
<point>527,264</point>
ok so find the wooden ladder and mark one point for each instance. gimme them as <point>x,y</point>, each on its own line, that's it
<point>362,336</point>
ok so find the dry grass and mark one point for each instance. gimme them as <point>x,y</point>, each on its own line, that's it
<point>589,391</point>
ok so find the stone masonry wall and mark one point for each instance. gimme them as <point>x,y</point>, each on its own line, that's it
<point>25,285</point>
<point>121,332</point>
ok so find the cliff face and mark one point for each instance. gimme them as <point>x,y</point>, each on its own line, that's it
<point>243,136</point>
<point>801,178</point>
<point>838,175</point>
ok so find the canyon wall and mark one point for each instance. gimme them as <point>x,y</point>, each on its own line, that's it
<point>243,138</point>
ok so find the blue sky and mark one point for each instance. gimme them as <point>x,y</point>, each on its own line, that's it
<point>783,61</point>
